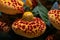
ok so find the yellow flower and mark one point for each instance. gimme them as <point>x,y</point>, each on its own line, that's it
<point>28,16</point>
<point>29,3</point>
<point>11,7</point>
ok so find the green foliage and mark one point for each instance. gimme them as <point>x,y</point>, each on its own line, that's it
<point>42,12</point>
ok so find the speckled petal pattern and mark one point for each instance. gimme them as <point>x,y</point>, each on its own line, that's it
<point>54,17</point>
<point>11,7</point>
<point>29,29</point>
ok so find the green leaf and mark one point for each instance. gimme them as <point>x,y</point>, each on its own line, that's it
<point>35,11</point>
<point>26,8</point>
<point>43,9</point>
<point>0,14</point>
<point>42,12</point>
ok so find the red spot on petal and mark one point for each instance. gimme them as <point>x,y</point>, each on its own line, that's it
<point>15,24</point>
<point>59,19</point>
<point>25,31</point>
<point>18,8</point>
<point>13,5</point>
<point>19,27</point>
<point>9,3</point>
<point>36,31</point>
<point>21,22</point>
<point>34,2</point>
<point>38,25</point>
<point>32,23</point>
<point>40,28</point>
<point>32,31</point>
<point>54,11</point>
<point>13,0</point>
<point>5,2</point>
<point>26,23</point>
<point>19,4</point>
<point>34,26</point>
<point>21,9</point>
<point>23,27</point>
<point>58,11</point>
<point>30,28</point>
<point>55,14</point>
